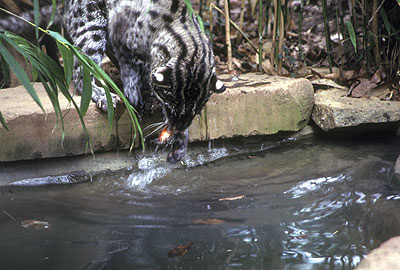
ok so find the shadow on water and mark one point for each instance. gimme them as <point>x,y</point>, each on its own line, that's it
<point>309,204</point>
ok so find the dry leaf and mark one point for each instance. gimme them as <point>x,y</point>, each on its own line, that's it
<point>363,88</point>
<point>232,198</point>
<point>35,224</point>
<point>180,250</point>
<point>321,72</point>
<point>209,221</point>
<point>332,76</point>
<point>326,84</point>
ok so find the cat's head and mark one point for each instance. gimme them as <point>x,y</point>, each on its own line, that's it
<point>183,92</point>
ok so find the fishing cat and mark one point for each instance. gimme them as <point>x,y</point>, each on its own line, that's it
<point>158,44</point>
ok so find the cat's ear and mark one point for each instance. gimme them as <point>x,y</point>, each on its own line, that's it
<point>217,86</point>
<point>162,76</point>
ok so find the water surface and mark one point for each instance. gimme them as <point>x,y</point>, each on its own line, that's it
<point>310,204</point>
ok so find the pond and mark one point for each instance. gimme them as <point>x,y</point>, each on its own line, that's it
<point>319,203</point>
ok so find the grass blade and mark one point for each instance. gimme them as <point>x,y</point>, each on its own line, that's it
<point>352,34</point>
<point>3,122</point>
<point>86,91</point>
<point>191,12</point>
<point>390,29</point>
<point>53,13</point>
<point>36,12</point>
<point>68,61</point>
<point>5,70</point>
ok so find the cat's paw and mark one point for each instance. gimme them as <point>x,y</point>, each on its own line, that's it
<point>100,98</point>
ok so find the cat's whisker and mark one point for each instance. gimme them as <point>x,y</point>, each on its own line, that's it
<point>158,127</point>
<point>154,125</point>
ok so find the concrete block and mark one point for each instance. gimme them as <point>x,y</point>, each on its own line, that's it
<point>334,110</point>
<point>385,257</point>
<point>254,104</point>
<point>34,134</point>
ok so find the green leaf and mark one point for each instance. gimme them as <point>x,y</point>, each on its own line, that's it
<point>19,73</point>
<point>100,74</point>
<point>200,20</point>
<point>352,34</point>
<point>56,104</point>
<point>40,61</point>
<point>191,11</point>
<point>36,11</point>
<point>385,21</point>
<point>5,69</point>
<point>3,122</point>
<point>86,91</point>
<point>110,107</point>
<point>58,37</point>
<point>53,13</point>
<point>68,61</point>
<point>189,6</point>
<point>52,77</point>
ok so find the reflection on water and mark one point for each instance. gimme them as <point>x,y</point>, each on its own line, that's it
<point>312,204</point>
<point>154,166</point>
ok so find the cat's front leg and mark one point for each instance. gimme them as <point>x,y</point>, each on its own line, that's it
<point>86,24</point>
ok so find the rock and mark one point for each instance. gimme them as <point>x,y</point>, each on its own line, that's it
<point>255,104</point>
<point>333,110</point>
<point>385,257</point>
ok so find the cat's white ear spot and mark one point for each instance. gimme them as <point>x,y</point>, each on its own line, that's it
<point>159,74</point>
<point>219,85</point>
<point>159,77</point>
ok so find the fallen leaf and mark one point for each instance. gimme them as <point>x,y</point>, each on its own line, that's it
<point>363,88</point>
<point>232,198</point>
<point>384,91</point>
<point>321,72</point>
<point>180,250</point>
<point>326,84</point>
<point>209,221</point>
<point>377,77</point>
<point>332,76</point>
<point>35,224</point>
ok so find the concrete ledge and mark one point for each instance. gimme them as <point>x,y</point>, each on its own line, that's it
<point>34,134</point>
<point>385,257</point>
<point>255,104</point>
<point>334,110</point>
